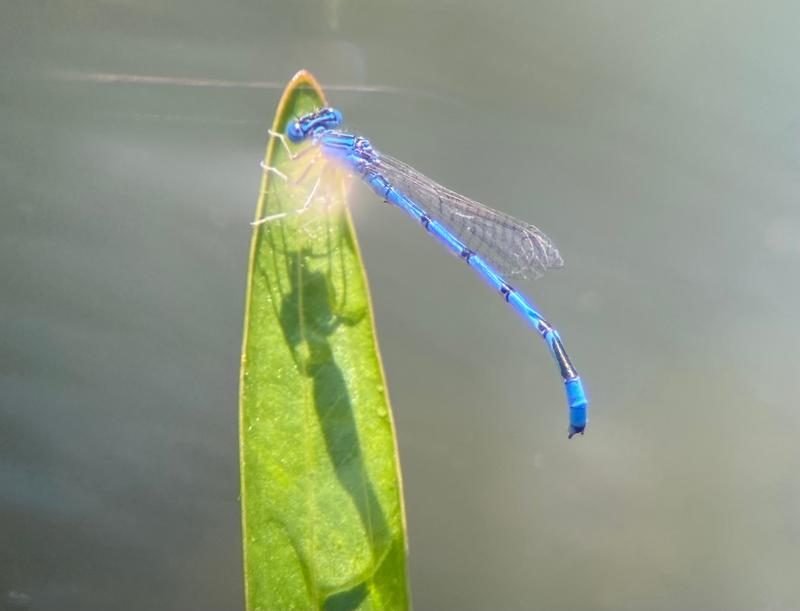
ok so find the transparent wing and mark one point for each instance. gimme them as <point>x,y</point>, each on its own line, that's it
<point>512,247</point>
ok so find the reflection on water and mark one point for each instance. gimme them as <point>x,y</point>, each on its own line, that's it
<point>656,145</point>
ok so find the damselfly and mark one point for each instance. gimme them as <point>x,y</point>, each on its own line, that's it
<point>492,243</point>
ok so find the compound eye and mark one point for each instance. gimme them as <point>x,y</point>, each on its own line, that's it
<point>295,131</point>
<point>328,118</point>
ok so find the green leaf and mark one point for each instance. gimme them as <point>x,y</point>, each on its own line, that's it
<point>322,511</point>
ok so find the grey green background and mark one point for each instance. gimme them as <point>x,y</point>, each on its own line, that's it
<point>657,143</point>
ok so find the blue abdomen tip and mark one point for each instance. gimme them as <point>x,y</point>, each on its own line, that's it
<point>578,406</point>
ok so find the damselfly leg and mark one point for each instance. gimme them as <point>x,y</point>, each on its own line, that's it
<point>294,182</point>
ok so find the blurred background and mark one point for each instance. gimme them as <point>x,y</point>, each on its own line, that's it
<point>657,143</point>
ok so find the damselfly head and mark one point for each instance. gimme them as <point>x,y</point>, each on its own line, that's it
<point>307,125</point>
